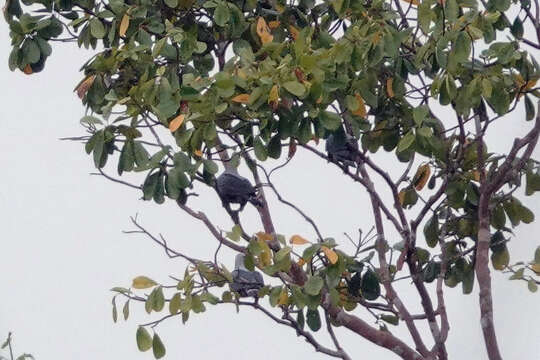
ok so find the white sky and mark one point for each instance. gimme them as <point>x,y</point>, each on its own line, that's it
<point>62,248</point>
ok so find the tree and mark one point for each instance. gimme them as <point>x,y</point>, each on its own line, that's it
<point>7,344</point>
<point>179,87</point>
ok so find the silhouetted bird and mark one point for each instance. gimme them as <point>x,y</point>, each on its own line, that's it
<point>342,149</point>
<point>235,189</point>
<point>246,283</point>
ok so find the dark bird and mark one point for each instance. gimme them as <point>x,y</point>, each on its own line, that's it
<point>246,283</point>
<point>342,148</point>
<point>235,189</point>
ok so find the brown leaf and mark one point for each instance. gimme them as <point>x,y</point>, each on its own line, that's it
<point>198,152</point>
<point>389,89</point>
<point>28,70</point>
<point>124,24</point>
<point>292,148</point>
<point>298,240</point>
<point>401,196</point>
<point>176,122</point>
<point>264,236</point>
<point>361,111</point>
<point>294,32</point>
<point>299,75</point>
<point>264,31</point>
<point>413,2</point>
<point>274,24</point>
<point>330,254</point>
<point>301,262</point>
<point>84,86</point>
<point>242,98</point>
<point>421,177</point>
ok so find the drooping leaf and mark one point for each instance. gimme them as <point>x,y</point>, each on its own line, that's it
<point>144,340</point>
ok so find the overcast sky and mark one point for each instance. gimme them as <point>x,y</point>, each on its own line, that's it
<point>62,246</point>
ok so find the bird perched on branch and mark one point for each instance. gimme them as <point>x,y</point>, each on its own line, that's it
<point>235,189</point>
<point>246,283</point>
<point>342,148</point>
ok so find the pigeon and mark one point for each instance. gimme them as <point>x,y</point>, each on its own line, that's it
<point>342,149</point>
<point>246,283</point>
<point>235,189</point>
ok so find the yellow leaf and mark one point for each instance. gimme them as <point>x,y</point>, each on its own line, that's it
<point>266,255</point>
<point>264,31</point>
<point>274,94</point>
<point>421,177</point>
<point>198,152</point>
<point>176,122</point>
<point>273,24</point>
<point>389,89</point>
<point>84,86</point>
<point>242,98</point>
<point>283,297</point>
<point>298,240</point>
<point>124,24</point>
<point>536,268</point>
<point>294,32</point>
<point>142,282</point>
<point>376,38</point>
<point>361,111</point>
<point>401,197</point>
<point>413,2</point>
<point>301,262</point>
<point>264,236</point>
<point>330,254</point>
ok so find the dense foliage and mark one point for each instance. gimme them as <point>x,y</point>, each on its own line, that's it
<point>178,86</point>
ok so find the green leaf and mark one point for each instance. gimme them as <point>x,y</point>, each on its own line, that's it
<point>150,185</point>
<point>144,341</point>
<point>500,258</point>
<point>30,51</point>
<point>431,271</point>
<point>260,149</point>
<point>405,142</point>
<point>517,28</point>
<point>295,88</point>
<point>114,310</point>
<point>125,310</point>
<point>97,29</point>
<point>419,114</point>
<point>222,14</point>
<point>313,319</point>
<point>537,255</point>
<point>391,319</point>
<point>282,253</point>
<point>330,120</point>
<point>314,285</point>
<point>498,218</point>
<point>431,231</point>
<point>157,347</point>
<point>274,147</point>
<point>158,299</point>
<point>300,319</point>
<point>532,286</point>
<point>529,108</point>
<point>310,251</point>
<point>462,47</point>
<point>371,289</point>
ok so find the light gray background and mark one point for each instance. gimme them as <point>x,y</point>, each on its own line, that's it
<point>62,248</point>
